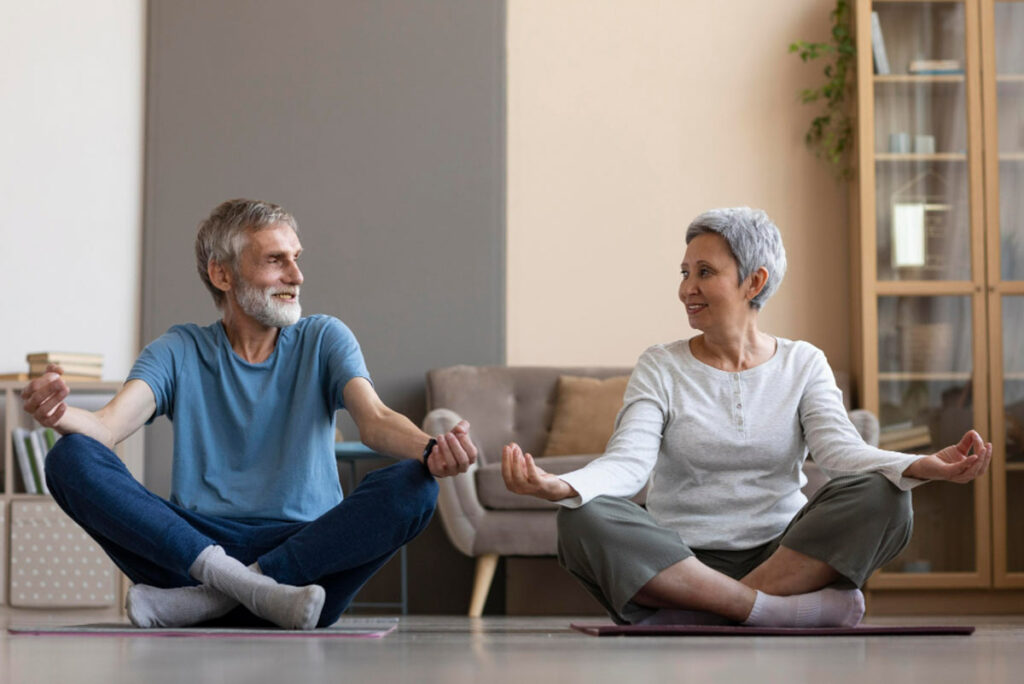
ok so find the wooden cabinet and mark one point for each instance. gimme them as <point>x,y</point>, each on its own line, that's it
<point>45,559</point>
<point>938,263</point>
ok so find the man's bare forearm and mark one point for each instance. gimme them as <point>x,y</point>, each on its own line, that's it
<point>123,415</point>
<point>80,421</point>
<point>395,435</point>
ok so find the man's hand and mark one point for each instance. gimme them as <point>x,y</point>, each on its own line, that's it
<point>523,476</point>
<point>454,452</point>
<point>44,397</point>
<point>955,463</point>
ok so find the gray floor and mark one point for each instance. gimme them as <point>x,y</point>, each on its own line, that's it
<point>522,650</point>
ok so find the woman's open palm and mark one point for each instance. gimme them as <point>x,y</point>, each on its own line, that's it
<point>523,476</point>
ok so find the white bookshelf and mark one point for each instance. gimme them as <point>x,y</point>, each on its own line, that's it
<point>46,561</point>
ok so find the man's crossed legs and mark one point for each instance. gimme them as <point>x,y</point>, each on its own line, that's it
<point>190,568</point>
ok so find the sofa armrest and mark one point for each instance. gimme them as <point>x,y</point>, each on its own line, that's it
<point>457,498</point>
<point>867,425</point>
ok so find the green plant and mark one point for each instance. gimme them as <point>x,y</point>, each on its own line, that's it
<point>830,134</point>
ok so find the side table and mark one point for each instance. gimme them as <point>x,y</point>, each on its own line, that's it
<point>351,453</point>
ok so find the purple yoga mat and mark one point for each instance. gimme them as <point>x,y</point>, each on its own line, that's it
<point>605,629</point>
<point>348,629</point>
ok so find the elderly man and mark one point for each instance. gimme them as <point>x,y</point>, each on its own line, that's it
<point>256,529</point>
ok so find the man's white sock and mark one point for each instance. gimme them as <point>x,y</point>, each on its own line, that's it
<point>178,607</point>
<point>822,608</point>
<point>284,605</point>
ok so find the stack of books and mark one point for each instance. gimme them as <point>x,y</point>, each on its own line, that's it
<point>31,447</point>
<point>935,67</point>
<point>904,436</point>
<point>76,365</point>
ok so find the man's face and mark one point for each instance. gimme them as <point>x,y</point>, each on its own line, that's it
<point>268,276</point>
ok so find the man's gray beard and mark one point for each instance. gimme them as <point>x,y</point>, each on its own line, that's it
<point>261,305</point>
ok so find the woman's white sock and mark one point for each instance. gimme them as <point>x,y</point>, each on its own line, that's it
<point>822,608</point>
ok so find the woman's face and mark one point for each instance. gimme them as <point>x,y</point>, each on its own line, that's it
<point>710,287</point>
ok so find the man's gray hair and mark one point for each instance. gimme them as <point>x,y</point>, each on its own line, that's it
<point>222,235</point>
<point>754,241</point>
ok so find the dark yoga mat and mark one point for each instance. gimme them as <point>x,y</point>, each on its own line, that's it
<point>606,629</point>
<point>355,628</point>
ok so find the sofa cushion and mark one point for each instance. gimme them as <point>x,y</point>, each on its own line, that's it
<point>504,403</point>
<point>585,411</point>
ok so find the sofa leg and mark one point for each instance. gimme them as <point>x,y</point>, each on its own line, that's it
<point>485,567</point>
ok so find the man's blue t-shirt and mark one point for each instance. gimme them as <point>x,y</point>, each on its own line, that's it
<point>253,440</point>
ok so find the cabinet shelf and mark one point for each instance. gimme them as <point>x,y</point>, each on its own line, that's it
<point>909,157</point>
<point>919,78</point>
<point>911,376</point>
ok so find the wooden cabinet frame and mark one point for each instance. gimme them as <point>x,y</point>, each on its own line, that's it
<point>996,289</point>
<point>986,288</point>
<point>867,288</point>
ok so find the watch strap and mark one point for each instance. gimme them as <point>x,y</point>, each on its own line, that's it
<point>428,449</point>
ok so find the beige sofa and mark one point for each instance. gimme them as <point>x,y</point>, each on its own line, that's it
<point>504,404</point>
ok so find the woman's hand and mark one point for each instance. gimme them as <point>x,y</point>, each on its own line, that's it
<point>522,476</point>
<point>955,463</point>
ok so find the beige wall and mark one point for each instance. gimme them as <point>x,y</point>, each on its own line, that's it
<point>626,118</point>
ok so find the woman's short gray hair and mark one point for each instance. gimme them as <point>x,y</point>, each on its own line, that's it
<point>754,241</point>
<point>222,235</point>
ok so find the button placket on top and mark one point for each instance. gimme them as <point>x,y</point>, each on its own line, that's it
<point>737,403</point>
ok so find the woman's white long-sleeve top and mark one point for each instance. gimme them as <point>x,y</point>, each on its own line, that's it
<point>724,451</point>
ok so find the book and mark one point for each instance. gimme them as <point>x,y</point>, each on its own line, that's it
<point>50,437</point>
<point>92,371</point>
<point>31,448</point>
<point>21,442</point>
<point>69,357</point>
<point>39,451</point>
<point>902,437</point>
<point>935,66</point>
<point>878,46</point>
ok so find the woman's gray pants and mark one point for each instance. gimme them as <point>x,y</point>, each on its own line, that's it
<point>855,523</point>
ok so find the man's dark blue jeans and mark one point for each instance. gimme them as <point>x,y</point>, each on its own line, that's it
<point>154,541</point>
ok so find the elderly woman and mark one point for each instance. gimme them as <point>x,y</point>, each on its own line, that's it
<point>721,424</point>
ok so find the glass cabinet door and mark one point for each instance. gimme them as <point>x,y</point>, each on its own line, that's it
<point>924,260</point>
<point>1013,430</point>
<point>1009,76</point>
<point>921,139</point>
<point>926,402</point>
<point>1003,29</point>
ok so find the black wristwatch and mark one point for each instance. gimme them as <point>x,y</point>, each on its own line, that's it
<point>430,447</point>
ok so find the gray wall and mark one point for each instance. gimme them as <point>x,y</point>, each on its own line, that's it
<point>380,125</point>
